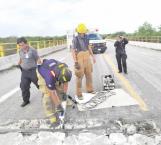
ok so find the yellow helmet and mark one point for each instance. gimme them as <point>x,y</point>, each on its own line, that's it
<point>81,28</point>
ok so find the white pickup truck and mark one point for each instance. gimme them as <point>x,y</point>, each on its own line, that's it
<point>95,40</point>
<point>98,44</point>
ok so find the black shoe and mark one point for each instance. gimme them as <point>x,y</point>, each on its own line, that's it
<point>119,71</point>
<point>125,72</point>
<point>59,108</point>
<point>25,103</point>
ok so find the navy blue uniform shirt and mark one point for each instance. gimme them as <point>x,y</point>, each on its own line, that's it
<point>45,71</point>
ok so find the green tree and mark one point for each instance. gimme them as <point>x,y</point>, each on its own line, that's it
<point>146,30</point>
<point>159,30</point>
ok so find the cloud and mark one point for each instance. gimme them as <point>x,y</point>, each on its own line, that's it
<point>55,17</point>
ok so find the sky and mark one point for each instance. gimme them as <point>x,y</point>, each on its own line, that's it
<point>56,17</point>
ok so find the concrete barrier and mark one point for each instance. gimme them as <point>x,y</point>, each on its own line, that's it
<point>10,61</point>
<point>148,45</point>
<point>154,46</point>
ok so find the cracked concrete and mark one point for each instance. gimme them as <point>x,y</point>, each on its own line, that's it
<point>118,132</point>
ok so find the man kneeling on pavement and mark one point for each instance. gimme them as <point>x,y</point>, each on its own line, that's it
<point>53,81</point>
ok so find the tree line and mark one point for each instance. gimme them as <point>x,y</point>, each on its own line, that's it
<point>144,30</point>
<point>12,39</point>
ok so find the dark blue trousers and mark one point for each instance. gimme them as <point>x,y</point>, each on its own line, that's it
<point>121,61</point>
<point>28,76</point>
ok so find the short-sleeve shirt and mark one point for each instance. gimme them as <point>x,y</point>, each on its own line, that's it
<point>45,71</point>
<point>80,43</point>
<point>29,59</point>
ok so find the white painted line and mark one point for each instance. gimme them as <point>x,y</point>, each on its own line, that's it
<point>126,84</point>
<point>9,94</point>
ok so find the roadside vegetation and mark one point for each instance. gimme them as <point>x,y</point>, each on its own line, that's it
<point>145,32</point>
<point>12,39</point>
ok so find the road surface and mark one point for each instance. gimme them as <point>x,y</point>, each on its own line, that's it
<point>142,83</point>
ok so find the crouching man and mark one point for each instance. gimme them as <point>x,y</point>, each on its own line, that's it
<point>56,76</point>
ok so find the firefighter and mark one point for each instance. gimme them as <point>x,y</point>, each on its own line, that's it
<point>121,55</point>
<point>83,66</point>
<point>56,76</point>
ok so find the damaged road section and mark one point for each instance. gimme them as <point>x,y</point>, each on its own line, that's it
<point>93,132</point>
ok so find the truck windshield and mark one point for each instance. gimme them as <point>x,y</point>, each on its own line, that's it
<point>94,37</point>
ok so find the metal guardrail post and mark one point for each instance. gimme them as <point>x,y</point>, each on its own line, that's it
<point>49,43</point>
<point>12,48</point>
<point>44,44</point>
<point>38,45</point>
<point>1,51</point>
<point>158,40</point>
<point>54,43</point>
<point>17,48</point>
<point>29,43</point>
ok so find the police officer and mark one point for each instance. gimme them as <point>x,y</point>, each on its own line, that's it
<point>81,54</point>
<point>28,63</point>
<point>121,55</point>
<point>56,76</point>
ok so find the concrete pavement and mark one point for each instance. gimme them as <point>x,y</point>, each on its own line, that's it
<point>143,77</point>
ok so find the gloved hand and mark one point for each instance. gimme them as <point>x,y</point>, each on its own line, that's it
<point>64,96</point>
<point>77,66</point>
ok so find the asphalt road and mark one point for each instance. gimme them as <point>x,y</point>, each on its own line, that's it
<point>142,82</point>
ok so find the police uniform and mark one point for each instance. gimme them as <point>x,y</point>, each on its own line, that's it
<point>121,55</point>
<point>81,44</point>
<point>28,75</point>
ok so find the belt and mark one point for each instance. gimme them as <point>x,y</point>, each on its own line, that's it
<point>29,69</point>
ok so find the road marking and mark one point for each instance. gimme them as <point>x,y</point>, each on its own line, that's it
<point>126,84</point>
<point>9,94</point>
